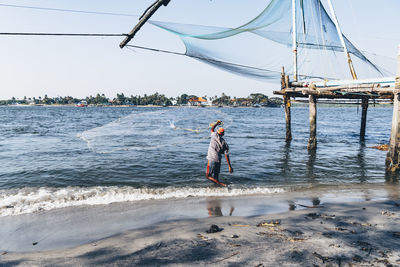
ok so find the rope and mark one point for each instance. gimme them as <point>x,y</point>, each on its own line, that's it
<point>70,10</point>
<point>158,50</point>
<point>212,60</point>
<point>63,34</point>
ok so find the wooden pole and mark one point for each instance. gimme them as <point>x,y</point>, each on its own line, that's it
<point>286,101</point>
<point>397,79</point>
<point>312,155</point>
<point>287,81</point>
<point>339,31</point>
<point>283,82</point>
<point>142,20</point>
<point>294,37</point>
<point>312,141</point>
<point>393,155</point>
<point>365,102</point>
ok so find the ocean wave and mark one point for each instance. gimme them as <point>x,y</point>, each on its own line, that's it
<point>29,200</point>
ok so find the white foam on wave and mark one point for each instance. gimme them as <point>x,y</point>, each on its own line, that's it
<point>29,200</point>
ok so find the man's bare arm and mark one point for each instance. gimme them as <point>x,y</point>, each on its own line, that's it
<point>215,125</point>
<point>229,163</point>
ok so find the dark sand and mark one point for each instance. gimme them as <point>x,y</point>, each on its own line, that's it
<point>339,234</point>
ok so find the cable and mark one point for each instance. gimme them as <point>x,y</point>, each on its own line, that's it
<point>70,10</point>
<point>63,34</point>
<point>212,60</point>
<point>158,50</point>
<point>202,58</point>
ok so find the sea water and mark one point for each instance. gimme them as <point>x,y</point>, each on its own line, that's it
<point>62,157</point>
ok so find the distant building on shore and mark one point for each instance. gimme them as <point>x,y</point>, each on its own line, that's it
<point>82,103</point>
<point>197,101</point>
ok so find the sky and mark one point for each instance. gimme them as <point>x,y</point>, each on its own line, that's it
<point>82,66</point>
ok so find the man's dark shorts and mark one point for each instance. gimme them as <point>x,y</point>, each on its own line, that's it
<point>213,169</point>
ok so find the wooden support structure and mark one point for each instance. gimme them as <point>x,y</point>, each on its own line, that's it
<point>341,38</point>
<point>143,19</point>
<point>286,101</point>
<point>294,38</point>
<point>364,104</point>
<point>386,89</point>
<point>354,92</point>
<point>393,155</point>
<point>381,88</point>
<point>312,141</point>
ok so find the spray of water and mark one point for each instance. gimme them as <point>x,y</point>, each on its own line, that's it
<point>148,130</point>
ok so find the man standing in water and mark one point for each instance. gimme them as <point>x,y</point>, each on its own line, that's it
<point>217,147</point>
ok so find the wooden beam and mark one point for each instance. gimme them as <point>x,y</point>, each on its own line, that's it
<point>288,116</point>
<point>359,92</point>
<point>365,102</point>
<point>283,79</point>
<point>312,141</point>
<point>286,101</point>
<point>143,19</point>
<point>287,81</point>
<point>355,88</point>
<point>341,38</point>
<point>393,155</point>
<point>317,92</point>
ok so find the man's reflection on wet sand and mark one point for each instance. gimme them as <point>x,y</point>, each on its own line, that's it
<point>292,205</point>
<point>392,186</point>
<point>314,200</point>
<point>214,208</point>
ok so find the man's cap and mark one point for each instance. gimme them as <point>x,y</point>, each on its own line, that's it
<point>220,130</point>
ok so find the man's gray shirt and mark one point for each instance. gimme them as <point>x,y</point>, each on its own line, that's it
<point>217,147</point>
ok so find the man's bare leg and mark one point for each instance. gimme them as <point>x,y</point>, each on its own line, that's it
<point>215,181</point>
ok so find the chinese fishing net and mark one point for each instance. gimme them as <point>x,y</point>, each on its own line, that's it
<point>260,48</point>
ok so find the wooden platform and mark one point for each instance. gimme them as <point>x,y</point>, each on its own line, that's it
<point>374,91</point>
<point>385,89</point>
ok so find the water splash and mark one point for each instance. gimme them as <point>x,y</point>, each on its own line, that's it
<point>148,130</point>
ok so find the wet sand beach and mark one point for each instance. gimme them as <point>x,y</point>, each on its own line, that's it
<point>319,233</point>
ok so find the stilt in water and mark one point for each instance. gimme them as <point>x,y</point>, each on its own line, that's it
<point>286,102</point>
<point>393,155</point>
<point>312,141</point>
<point>365,102</point>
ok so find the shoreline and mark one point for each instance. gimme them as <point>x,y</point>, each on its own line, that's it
<point>48,199</point>
<point>359,233</point>
<point>64,229</point>
<point>294,105</point>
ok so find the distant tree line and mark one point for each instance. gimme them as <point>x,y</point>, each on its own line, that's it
<point>154,99</point>
<point>252,100</point>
